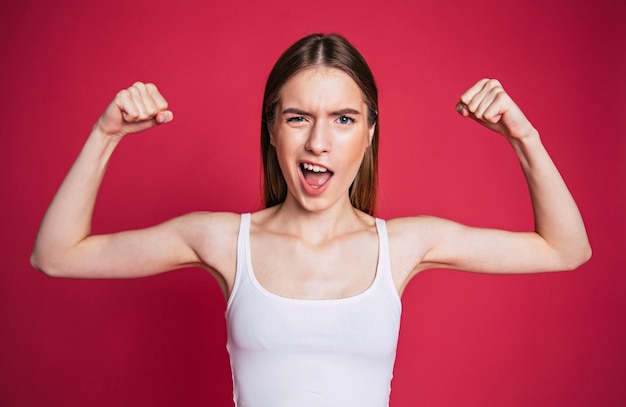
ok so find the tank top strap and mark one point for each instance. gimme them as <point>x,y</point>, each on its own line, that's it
<point>243,252</point>
<point>384,278</point>
<point>384,261</point>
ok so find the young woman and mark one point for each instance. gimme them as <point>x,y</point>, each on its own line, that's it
<point>313,281</point>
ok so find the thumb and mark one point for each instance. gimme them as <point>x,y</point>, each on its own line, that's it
<point>462,109</point>
<point>135,126</point>
<point>163,117</point>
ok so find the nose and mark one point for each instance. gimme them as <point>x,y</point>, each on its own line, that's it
<point>319,140</point>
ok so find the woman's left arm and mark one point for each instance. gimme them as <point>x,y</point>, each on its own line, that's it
<point>559,241</point>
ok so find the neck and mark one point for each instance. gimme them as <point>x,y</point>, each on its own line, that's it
<point>319,225</point>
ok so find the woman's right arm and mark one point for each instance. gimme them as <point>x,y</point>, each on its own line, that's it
<point>65,247</point>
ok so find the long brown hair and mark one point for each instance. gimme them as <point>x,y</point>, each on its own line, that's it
<point>332,51</point>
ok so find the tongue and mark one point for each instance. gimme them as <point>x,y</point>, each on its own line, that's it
<point>316,179</point>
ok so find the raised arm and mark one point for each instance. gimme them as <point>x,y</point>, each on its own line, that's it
<point>64,245</point>
<point>559,241</point>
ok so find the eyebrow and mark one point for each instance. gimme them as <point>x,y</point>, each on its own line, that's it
<point>340,112</point>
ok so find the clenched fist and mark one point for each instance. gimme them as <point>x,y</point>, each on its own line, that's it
<point>488,103</point>
<point>135,109</point>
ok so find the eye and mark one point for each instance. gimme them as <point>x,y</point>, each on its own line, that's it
<point>295,119</point>
<point>345,120</point>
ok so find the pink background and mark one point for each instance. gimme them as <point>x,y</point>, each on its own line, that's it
<point>466,339</point>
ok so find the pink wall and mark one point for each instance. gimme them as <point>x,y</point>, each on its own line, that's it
<point>466,339</point>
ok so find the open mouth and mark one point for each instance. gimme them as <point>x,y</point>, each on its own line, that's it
<point>314,175</point>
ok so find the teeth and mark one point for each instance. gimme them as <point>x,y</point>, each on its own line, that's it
<point>314,168</point>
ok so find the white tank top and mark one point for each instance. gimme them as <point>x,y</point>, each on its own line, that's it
<point>294,352</point>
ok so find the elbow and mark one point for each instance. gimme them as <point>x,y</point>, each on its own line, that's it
<point>577,258</point>
<point>35,261</point>
<point>39,262</point>
<point>586,254</point>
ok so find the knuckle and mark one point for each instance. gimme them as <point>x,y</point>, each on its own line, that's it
<point>133,91</point>
<point>501,97</point>
<point>132,115</point>
<point>494,83</point>
<point>162,105</point>
<point>138,87</point>
<point>122,94</point>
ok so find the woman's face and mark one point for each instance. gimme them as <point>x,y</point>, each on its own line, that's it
<point>320,133</point>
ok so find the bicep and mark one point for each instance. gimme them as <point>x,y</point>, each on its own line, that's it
<point>128,254</point>
<point>447,244</point>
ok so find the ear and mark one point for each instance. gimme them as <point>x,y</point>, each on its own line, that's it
<point>371,132</point>
<point>271,134</point>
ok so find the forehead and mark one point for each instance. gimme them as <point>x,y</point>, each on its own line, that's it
<point>320,87</point>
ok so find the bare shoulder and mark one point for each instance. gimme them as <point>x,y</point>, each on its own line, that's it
<point>211,222</point>
<point>415,229</point>
<point>211,231</point>
<point>410,241</point>
<point>213,236</point>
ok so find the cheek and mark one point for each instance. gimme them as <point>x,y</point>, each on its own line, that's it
<point>354,151</point>
<point>362,143</point>
<point>285,150</point>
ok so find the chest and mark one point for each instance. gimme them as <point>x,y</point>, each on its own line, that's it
<point>293,268</point>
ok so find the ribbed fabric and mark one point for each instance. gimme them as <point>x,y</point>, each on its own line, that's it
<point>298,353</point>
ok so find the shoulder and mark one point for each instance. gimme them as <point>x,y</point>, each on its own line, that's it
<point>411,239</point>
<point>422,232</point>
<point>213,236</point>
<point>421,227</point>
<point>208,225</point>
